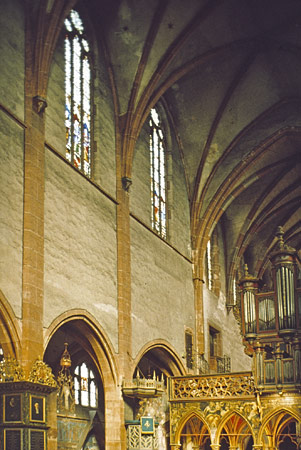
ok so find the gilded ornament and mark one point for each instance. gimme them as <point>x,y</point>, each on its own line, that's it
<point>10,370</point>
<point>41,373</point>
<point>213,387</point>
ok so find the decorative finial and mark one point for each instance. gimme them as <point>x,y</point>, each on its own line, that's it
<point>246,271</point>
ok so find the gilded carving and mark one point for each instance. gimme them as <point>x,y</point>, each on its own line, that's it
<point>42,373</point>
<point>179,410</point>
<point>213,412</point>
<point>213,387</point>
<point>10,370</point>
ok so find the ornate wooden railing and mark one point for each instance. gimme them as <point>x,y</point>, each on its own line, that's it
<point>208,387</point>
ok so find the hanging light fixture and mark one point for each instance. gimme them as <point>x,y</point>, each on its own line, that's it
<point>66,399</point>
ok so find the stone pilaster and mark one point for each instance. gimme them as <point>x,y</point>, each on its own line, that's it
<point>33,231</point>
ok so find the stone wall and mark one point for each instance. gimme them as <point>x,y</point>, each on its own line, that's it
<point>162,291</point>
<point>80,247</point>
<point>11,210</point>
<point>12,52</point>
<point>216,315</point>
<point>11,150</point>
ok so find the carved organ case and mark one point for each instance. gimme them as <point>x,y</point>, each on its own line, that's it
<point>271,321</point>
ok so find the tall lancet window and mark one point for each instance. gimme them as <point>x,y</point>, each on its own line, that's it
<point>157,173</point>
<point>209,265</point>
<point>77,94</point>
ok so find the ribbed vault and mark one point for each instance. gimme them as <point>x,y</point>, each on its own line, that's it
<point>228,72</point>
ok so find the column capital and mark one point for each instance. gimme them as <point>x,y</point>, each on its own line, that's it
<point>215,446</point>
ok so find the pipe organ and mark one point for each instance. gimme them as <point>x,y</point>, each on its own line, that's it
<point>271,321</point>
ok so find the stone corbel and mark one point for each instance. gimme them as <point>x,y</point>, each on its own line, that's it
<point>39,104</point>
<point>126,183</point>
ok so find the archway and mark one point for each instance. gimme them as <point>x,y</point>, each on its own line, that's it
<point>145,395</point>
<point>195,435</point>
<point>282,431</point>
<point>80,360</point>
<point>9,330</point>
<point>236,433</point>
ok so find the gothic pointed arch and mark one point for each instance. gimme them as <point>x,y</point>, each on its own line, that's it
<point>94,339</point>
<point>235,429</point>
<point>281,428</point>
<point>146,393</point>
<point>10,333</point>
<point>163,355</point>
<point>88,374</point>
<point>193,431</point>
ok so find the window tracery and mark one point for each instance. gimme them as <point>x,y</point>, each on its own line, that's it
<point>158,173</point>
<point>77,94</point>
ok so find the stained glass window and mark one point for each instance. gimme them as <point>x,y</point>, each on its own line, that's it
<point>77,94</point>
<point>157,173</point>
<point>234,291</point>
<point>209,265</point>
<point>85,387</point>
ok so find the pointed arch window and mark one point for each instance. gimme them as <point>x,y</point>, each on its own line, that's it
<point>77,94</point>
<point>157,173</point>
<point>209,265</point>
<point>85,387</point>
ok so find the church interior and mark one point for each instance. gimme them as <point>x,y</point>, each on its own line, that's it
<point>150,244</point>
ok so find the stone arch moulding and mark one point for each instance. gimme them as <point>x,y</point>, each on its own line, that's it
<point>97,339</point>
<point>281,410</point>
<point>10,332</point>
<point>175,363</point>
<point>184,420</point>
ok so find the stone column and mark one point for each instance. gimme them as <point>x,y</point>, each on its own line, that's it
<point>198,304</point>
<point>124,296</point>
<point>215,264</point>
<point>33,231</point>
<point>124,283</point>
